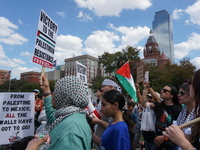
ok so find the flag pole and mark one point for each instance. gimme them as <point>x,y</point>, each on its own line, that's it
<point>9,82</point>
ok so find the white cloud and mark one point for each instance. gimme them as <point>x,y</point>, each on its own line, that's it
<point>84,17</point>
<point>14,39</point>
<point>19,61</point>
<point>130,35</point>
<point>183,49</point>
<point>20,22</point>
<point>99,42</point>
<point>177,14</point>
<point>112,7</point>
<point>26,53</point>
<point>18,70</point>
<point>67,46</point>
<point>196,62</point>
<point>8,34</point>
<point>61,13</point>
<point>193,11</point>
<point>7,62</point>
<point>6,27</point>
<point>117,39</point>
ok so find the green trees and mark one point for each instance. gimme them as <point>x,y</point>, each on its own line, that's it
<point>22,86</point>
<point>174,74</point>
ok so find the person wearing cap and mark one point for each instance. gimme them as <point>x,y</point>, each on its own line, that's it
<point>38,108</point>
<point>36,91</point>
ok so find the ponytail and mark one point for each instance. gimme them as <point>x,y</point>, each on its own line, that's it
<point>127,116</point>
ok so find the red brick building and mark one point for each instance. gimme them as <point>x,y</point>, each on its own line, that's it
<point>4,76</point>
<point>30,76</point>
<point>152,53</point>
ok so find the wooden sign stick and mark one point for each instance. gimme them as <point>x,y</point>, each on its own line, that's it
<point>42,73</point>
<point>189,123</point>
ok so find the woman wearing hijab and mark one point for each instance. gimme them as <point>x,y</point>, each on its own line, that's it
<point>66,115</point>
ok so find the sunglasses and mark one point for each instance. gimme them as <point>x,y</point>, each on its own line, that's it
<point>165,90</point>
<point>182,93</point>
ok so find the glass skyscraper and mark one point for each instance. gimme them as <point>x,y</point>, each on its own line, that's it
<point>162,29</point>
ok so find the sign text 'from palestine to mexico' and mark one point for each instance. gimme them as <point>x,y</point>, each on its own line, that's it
<point>45,41</point>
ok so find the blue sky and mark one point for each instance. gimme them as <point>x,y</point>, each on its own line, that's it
<point>93,27</point>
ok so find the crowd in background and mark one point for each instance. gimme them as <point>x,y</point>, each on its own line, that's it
<point>121,126</point>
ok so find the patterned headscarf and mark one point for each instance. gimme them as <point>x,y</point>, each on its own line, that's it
<point>70,97</point>
<point>108,82</point>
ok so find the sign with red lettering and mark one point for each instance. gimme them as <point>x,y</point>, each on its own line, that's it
<point>16,116</point>
<point>45,41</point>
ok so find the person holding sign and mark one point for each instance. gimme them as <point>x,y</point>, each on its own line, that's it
<point>175,134</point>
<point>68,125</point>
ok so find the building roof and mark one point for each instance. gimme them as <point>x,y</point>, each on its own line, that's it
<point>151,38</point>
<point>163,57</point>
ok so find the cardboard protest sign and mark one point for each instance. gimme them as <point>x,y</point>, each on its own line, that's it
<point>16,116</point>
<point>45,41</point>
<point>140,74</point>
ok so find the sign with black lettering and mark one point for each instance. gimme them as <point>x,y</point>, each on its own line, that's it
<point>16,116</point>
<point>81,72</point>
<point>45,41</point>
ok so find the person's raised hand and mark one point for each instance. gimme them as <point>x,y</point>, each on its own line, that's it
<point>44,85</point>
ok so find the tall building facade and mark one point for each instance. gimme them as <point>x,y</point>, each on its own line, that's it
<point>162,29</point>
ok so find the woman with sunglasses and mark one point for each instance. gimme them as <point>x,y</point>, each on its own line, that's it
<point>165,111</point>
<point>175,134</point>
<point>187,114</point>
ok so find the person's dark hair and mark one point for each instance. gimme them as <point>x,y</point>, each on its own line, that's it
<point>185,87</point>
<point>39,96</point>
<point>196,86</point>
<point>113,96</point>
<point>160,110</point>
<point>21,145</point>
<point>174,92</point>
<point>131,104</point>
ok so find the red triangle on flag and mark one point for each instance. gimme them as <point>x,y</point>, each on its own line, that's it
<point>124,70</point>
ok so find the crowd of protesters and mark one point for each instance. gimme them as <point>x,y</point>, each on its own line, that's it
<point>119,127</point>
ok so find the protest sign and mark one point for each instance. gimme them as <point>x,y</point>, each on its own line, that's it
<point>45,41</point>
<point>16,116</point>
<point>140,74</point>
<point>146,76</point>
<point>81,72</point>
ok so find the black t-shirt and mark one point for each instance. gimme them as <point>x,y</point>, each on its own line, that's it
<point>165,116</point>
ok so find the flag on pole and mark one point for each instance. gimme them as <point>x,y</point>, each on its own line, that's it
<point>8,73</point>
<point>54,63</point>
<point>124,76</point>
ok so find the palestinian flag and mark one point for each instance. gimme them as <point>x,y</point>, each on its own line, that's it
<point>124,76</point>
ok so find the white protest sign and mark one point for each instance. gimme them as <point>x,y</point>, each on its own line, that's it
<point>16,116</point>
<point>81,72</point>
<point>146,76</point>
<point>45,41</point>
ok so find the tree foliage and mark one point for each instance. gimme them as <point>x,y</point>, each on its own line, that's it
<point>22,86</point>
<point>112,62</point>
<point>174,74</point>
